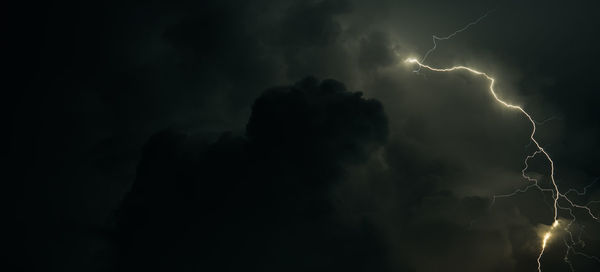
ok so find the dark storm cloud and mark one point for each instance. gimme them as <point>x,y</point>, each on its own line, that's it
<point>312,23</point>
<point>262,199</point>
<point>99,79</point>
<point>375,52</point>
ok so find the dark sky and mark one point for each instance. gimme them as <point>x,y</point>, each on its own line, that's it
<point>290,135</point>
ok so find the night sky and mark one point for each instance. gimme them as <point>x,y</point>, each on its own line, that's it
<point>291,135</point>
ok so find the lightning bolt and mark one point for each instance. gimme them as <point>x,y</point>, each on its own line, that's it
<point>556,193</point>
<point>435,38</point>
<point>571,248</point>
<point>540,149</point>
<point>547,236</point>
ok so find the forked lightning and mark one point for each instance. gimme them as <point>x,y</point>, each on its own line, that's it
<point>556,193</point>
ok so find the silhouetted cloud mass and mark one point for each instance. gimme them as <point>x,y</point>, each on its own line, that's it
<point>190,135</point>
<point>262,199</point>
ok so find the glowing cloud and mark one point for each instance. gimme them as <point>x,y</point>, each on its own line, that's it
<point>556,194</point>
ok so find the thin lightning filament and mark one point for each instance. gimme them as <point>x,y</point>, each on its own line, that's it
<point>556,194</point>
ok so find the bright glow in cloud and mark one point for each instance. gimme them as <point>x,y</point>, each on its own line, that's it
<point>556,193</point>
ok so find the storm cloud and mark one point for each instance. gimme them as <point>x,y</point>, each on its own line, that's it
<point>290,135</point>
<point>260,199</point>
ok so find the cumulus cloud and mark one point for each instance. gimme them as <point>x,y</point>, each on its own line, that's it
<point>309,164</point>
<point>260,199</point>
